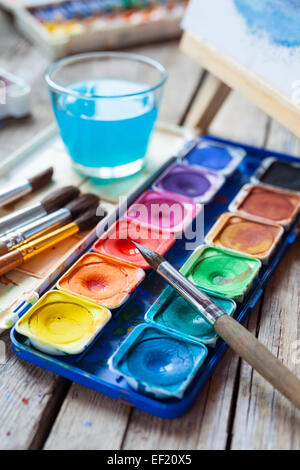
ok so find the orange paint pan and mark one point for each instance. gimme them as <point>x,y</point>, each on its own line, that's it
<point>101,280</point>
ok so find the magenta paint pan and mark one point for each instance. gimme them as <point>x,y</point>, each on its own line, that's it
<point>166,211</point>
<point>198,184</point>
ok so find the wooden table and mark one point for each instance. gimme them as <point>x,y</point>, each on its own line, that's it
<point>237,409</point>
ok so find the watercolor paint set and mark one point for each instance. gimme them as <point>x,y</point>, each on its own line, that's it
<point>112,324</point>
<point>69,26</point>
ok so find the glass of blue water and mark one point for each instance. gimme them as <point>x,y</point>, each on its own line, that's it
<point>106,104</point>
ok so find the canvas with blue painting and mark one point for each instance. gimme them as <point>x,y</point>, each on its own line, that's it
<point>263,36</point>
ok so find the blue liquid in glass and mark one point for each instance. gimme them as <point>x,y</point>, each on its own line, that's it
<point>106,131</point>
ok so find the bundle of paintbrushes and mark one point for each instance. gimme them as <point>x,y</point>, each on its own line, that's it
<point>118,329</point>
<point>29,231</point>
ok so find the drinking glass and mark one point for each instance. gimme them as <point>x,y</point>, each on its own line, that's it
<point>106,104</point>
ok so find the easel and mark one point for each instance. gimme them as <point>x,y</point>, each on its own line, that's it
<point>226,75</point>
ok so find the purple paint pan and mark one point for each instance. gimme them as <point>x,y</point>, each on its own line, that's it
<point>190,181</point>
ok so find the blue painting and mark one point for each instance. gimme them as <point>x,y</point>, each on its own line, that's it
<point>260,36</point>
<point>279,19</point>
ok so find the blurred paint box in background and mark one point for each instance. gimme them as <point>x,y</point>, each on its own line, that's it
<point>65,27</point>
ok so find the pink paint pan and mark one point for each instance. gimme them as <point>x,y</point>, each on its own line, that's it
<point>117,242</point>
<point>163,210</point>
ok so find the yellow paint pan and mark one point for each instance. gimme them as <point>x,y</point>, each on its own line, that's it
<point>60,323</point>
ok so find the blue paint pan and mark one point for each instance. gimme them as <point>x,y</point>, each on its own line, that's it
<point>215,156</point>
<point>158,363</point>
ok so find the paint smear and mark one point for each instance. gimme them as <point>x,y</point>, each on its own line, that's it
<point>215,156</point>
<point>279,19</point>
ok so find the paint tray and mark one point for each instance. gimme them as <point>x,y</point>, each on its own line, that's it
<point>91,368</point>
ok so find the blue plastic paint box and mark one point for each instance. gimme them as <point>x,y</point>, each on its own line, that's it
<point>91,368</point>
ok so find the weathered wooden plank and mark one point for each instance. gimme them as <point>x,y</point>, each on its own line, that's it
<point>240,120</point>
<point>203,427</point>
<point>282,140</point>
<point>87,421</point>
<point>264,419</point>
<point>27,394</point>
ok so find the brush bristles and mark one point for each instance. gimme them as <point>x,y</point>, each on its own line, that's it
<point>82,204</point>
<point>40,180</point>
<point>59,198</point>
<point>89,219</point>
<point>152,258</point>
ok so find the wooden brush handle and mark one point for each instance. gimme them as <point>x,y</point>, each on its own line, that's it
<point>259,357</point>
<point>10,261</point>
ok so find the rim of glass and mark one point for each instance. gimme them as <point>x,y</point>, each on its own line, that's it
<point>121,55</point>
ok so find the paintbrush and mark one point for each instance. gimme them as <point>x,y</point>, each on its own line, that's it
<point>50,203</point>
<point>236,336</point>
<point>53,220</point>
<point>26,251</point>
<point>28,186</point>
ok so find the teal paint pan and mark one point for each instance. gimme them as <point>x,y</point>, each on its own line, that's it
<point>173,313</point>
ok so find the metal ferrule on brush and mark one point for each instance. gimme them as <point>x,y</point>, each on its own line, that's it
<point>36,246</point>
<point>21,217</point>
<point>37,228</point>
<point>12,194</point>
<point>191,293</point>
